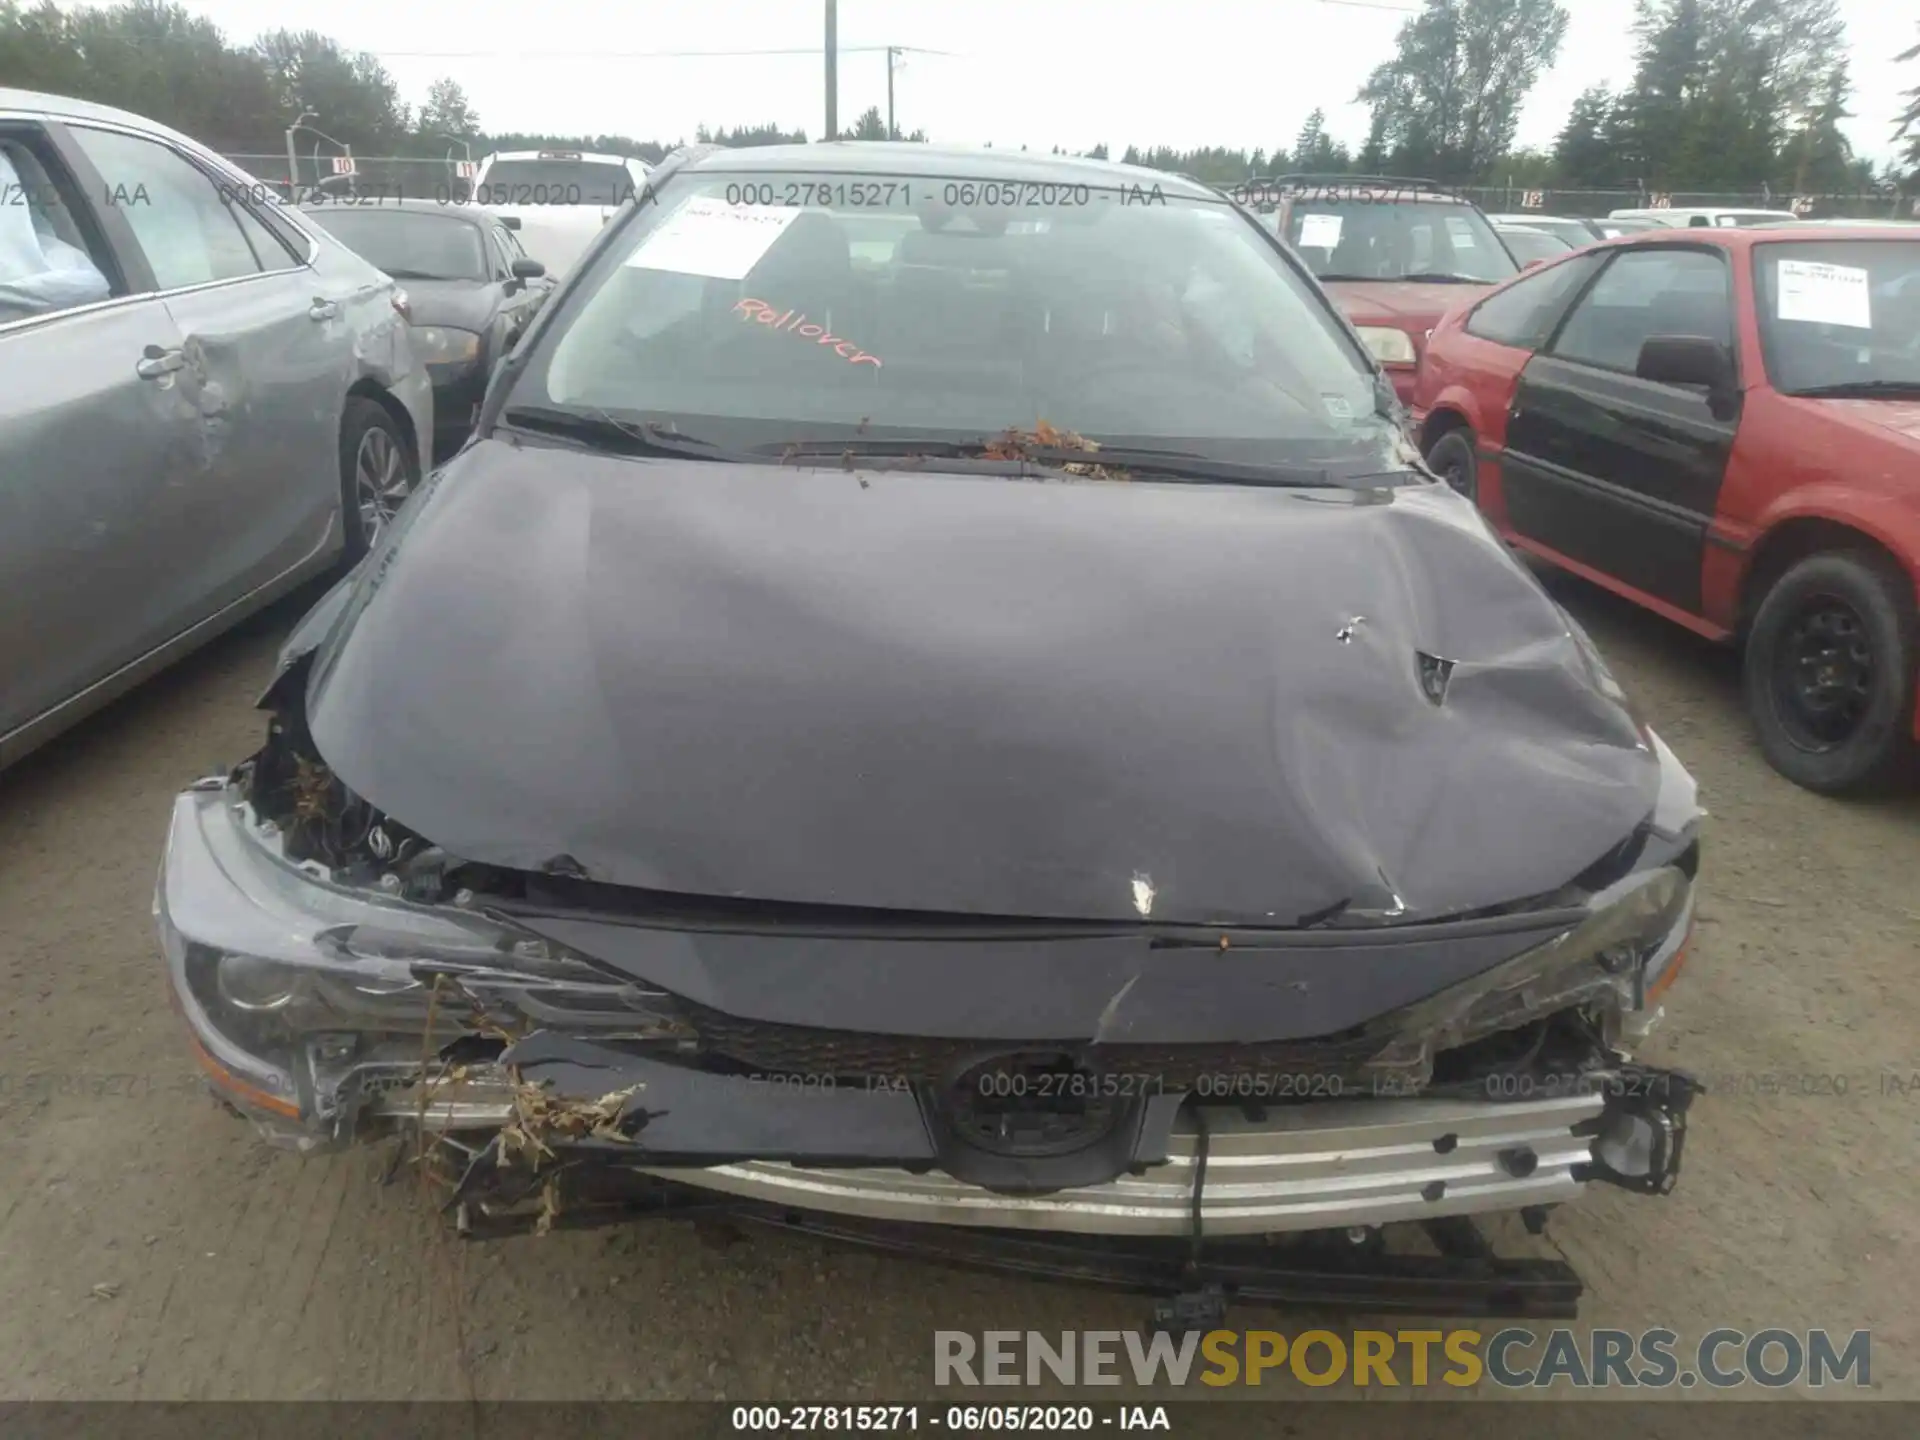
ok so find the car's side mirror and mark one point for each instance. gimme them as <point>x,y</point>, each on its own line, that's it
<point>1690,360</point>
<point>525,269</point>
<point>512,222</point>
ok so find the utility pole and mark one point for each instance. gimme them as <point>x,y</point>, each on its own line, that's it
<point>833,65</point>
<point>293,160</point>
<point>892,133</point>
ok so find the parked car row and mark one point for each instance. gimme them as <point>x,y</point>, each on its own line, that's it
<point>207,401</point>
<point>868,651</point>
<point>213,395</point>
<point>1722,426</point>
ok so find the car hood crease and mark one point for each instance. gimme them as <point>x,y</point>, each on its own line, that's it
<point>972,695</point>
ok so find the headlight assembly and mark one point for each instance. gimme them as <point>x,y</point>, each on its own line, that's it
<point>305,995</point>
<point>1633,927</point>
<point>1389,346</point>
<point>444,345</point>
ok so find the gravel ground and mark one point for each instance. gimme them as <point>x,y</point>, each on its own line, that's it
<point>154,1250</point>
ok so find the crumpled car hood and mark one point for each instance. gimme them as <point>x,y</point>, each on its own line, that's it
<point>976,695</point>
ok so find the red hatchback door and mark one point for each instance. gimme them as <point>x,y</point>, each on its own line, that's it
<point>1630,415</point>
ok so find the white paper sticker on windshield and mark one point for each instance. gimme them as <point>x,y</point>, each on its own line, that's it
<point>1320,231</point>
<point>1824,294</point>
<point>709,237</point>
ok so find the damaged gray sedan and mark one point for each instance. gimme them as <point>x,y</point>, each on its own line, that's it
<point>938,708</point>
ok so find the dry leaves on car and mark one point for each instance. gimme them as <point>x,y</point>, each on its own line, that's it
<point>1016,444</point>
<point>540,1116</point>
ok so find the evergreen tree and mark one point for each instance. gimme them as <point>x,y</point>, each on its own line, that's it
<point>1909,124</point>
<point>1448,103</point>
<point>1583,155</point>
<point>447,112</point>
<point>1821,156</point>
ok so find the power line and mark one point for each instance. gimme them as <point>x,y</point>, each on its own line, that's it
<point>647,54</point>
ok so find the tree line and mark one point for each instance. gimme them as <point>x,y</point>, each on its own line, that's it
<point>1732,95</point>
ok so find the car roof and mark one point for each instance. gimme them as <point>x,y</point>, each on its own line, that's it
<point>62,107</point>
<point>474,214</point>
<point>1852,222</point>
<point>1653,214</point>
<point>912,158</point>
<point>1743,237</point>
<point>1528,217</point>
<point>584,156</point>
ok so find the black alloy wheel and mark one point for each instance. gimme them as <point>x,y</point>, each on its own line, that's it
<point>1823,673</point>
<point>1830,672</point>
<point>1452,458</point>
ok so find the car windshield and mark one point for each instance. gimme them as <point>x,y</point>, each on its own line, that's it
<point>1571,231</point>
<point>757,307</point>
<point>1533,244</point>
<point>1345,235</point>
<point>1840,314</point>
<point>408,245</point>
<point>554,182</point>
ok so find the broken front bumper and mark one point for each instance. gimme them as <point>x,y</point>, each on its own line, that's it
<point>1310,1167</point>
<point>1178,1163</point>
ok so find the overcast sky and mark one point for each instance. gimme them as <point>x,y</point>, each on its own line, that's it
<point>1044,72</point>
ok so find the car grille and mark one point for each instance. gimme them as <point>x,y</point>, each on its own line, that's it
<point>1283,1067</point>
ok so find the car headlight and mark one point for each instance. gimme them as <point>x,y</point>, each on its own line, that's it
<point>444,345</point>
<point>1631,928</point>
<point>302,992</point>
<point>1389,346</point>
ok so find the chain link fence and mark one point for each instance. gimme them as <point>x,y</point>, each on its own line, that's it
<point>397,176</point>
<point>1851,205</point>
<point>414,177</point>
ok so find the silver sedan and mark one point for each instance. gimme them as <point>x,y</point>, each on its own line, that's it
<point>207,401</point>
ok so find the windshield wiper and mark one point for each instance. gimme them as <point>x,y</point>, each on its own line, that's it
<point>420,275</point>
<point>1177,464</point>
<point>603,432</point>
<point>1846,388</point>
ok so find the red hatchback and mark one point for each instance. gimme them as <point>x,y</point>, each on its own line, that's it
<point>1723,425</point>
<point>1395,255</point>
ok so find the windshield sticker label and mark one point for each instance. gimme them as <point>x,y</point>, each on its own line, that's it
<point>1337,407</point>
<point>795,322</point>
<point>1320,231</point>
<point>1824,294</point>
<point>706,237</point>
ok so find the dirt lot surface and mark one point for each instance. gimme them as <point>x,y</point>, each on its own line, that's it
<point>151,1248</point>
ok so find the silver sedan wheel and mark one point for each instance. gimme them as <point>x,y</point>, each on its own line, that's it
<point>380,481</point>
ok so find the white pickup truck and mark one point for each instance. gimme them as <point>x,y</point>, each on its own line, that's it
<point>560,197</point>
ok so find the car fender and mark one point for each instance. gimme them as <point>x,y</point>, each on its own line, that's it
<point>1882,517</point>
<point>1458,400</point>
